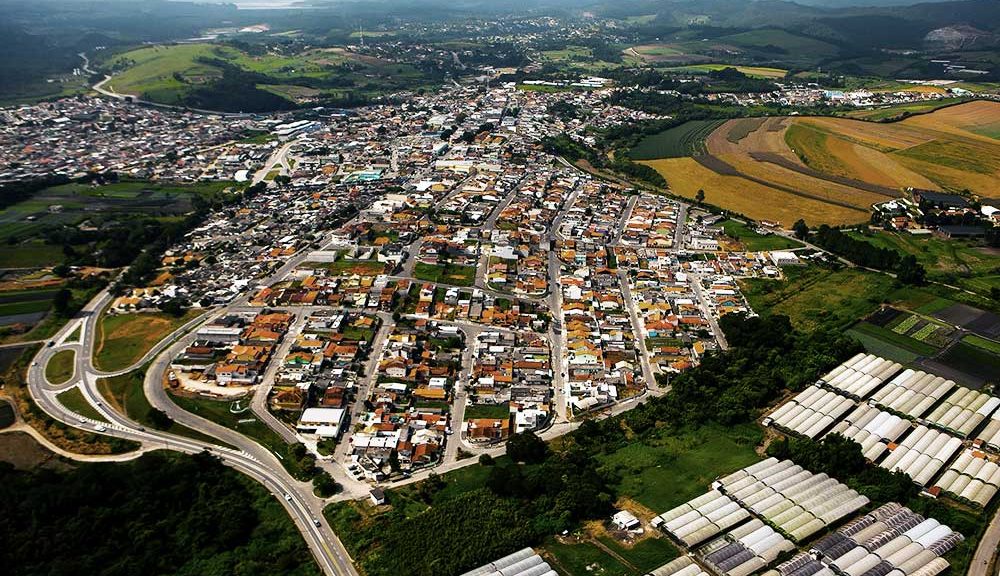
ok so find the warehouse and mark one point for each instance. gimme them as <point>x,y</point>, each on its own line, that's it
<point>972,478</point>
<point>963,411</point>
<point>913,392</point>
<point>921,454</point>
<point>810,412</point>
<point>796,501</point>
<point>746,549</point>
<point>702,518</point>
<point>872,429</point>
<point>891,540</point>
<point>861,375</point>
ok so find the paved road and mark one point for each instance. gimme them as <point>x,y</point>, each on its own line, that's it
<point>249,457</point>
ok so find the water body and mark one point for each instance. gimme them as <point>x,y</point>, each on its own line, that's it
<point>271,4</point>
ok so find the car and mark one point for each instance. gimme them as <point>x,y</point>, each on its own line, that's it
<point>288,497</point>
<point>51,344</point>
<point>100,428</point>
<point>81,419</point>
<point>317,522</point>
<point>141,429</point>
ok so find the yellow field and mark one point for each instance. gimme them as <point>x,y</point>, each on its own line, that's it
<point>754,200</point>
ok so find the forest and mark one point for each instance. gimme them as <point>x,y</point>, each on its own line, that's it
<point>159,514</point>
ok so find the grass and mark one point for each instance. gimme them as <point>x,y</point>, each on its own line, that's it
<point>60,367</point>
<point>445,273</point>
<point>74,400</point>
<point>688,139</point>
<point>125,393</point>
<point>669,469</point>
<point>219,412</point>
<point>645,555</point>
<point>755,241</point>
<point>813,296</point>
<point>898,111</point>
<point>123,339</point>
<point>883,348</point>
<point>487,411</point>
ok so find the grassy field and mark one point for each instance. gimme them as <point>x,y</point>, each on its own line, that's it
<point>30,254</point>
<point>445,273</point>
<point>957,262</point>
<point>668,470</point>
<point>812,296</point>
<point>487,411</point>
<point>583,559</point>
<point>687,139</point>
<point>876,345</point>
<point>123,339</point>
<point>983,343</point>
<point>125,394</point>
<point>907,344</point>
<point>754,71</point>
<point>74,400</point>
<point>60,367</point>
<point>755,241</point>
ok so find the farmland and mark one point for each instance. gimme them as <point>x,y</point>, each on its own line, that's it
<point>687,139</point>
<point>825,169</point>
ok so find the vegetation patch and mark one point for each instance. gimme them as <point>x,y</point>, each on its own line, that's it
<point>445,273</point>
<point>74,400</point>
<point>60,367</point>
<point>123,339</point>
<point>755,241</point>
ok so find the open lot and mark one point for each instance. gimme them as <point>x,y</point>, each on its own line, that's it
<point>445,273</point>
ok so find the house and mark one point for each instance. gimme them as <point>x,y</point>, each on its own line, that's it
<point>625,520</point>
<point>377,496</point>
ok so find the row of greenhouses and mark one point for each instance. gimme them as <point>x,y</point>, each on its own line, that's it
<point>971,477</point>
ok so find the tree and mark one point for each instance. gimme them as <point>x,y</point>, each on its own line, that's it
<point>526,447</point>
<point>159,419</point>
<point>699,197</point>
<point>910,271</point>
<point>325,485</point>
<point>61,302</point>
<point>801,229</point>
<point>486,460</point>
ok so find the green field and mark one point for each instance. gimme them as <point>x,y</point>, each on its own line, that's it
<point>669,469</point>
<point>585,558</point>
<point>813,296</point>
<point>445,273</point>
<point>60,367</point>
<point>957,262</point>
<point>74,400</point>
<point>754,241</point>
<point>876,345</point>
<point>753,71</point>
<point>171,73</point>
<point>688,139</point>
<point>487,411</point>
<point>123,339</point>
<point>30,254</point>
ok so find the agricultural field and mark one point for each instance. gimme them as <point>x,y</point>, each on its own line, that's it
<point>899,111</point>
<point>825,169</point>
<point>688,139</point>
<point>754,71</point>
<point>25,306</point>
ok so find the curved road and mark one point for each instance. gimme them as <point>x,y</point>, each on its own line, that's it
<point>249,458</point>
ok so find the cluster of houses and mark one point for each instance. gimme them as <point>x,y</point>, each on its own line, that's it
<point>230,352</point>
<point>510,388</point>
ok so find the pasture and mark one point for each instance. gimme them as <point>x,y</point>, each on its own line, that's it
<point>688,139</point>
